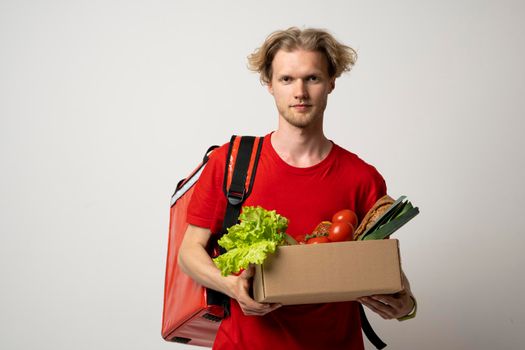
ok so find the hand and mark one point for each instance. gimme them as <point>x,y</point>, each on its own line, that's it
<point>240,292</point>
<point>390,306</point>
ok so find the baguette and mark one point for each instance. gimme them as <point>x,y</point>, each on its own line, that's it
<point>378,209</point>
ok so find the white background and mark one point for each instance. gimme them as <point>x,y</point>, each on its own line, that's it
<point>105,105</point>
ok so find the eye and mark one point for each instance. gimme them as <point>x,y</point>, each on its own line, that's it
<point>285,79</point>
<point>312,78</point>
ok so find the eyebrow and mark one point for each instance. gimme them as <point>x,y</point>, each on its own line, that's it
<point>309,74</point>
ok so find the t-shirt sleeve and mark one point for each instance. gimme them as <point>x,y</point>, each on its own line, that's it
<point>208,203</point>
<point>372,189</point>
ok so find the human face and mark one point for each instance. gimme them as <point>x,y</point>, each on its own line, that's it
<point>300,85</point>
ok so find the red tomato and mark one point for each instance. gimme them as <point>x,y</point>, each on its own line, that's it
<point>340,231</point>
<point>346,215</point>
<point>315,240</point>
<point>322,228</point>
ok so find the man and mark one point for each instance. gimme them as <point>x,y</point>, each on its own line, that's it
<point>303,176</point>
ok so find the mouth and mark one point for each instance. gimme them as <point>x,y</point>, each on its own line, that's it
<point>301,106</point>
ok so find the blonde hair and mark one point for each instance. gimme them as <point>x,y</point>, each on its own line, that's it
<point>341,58</point>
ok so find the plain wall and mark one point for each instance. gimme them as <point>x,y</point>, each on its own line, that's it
<point>105,105</point>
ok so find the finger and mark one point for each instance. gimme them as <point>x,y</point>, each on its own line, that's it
<point>251,306</point>
<point>387,300</point>
<point>256,312</point>
<point>274,307</point>
<point>248,273</point>
<point>404,305</point>
<point>249,311</point>
<point>374,309</point>
<point>398,303</point>
<point>384,310</point>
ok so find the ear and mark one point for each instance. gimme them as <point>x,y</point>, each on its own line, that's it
<point>270,87</point>
<point>332,85</point>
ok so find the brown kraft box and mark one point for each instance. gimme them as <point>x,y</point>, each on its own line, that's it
<point>329,272</point>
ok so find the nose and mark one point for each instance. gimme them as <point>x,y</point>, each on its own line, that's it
<point>300,91</point>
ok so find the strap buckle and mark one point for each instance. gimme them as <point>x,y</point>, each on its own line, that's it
<point>236,198</point>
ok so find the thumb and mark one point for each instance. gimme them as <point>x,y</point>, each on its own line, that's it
<point>248,273</point>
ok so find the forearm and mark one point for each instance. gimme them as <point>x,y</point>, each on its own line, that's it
<point>196,263</point>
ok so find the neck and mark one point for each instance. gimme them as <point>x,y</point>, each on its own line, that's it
<point>300,147</point>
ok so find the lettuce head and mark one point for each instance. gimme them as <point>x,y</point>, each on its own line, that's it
<point>258,233</point>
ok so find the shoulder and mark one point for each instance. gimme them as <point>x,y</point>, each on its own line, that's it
<point>219,153</point>
<point>369,183</point>
<point>214,166</point>
<point>222,151</point>
<point>352,162</point>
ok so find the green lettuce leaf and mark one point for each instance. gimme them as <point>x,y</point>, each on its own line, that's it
<point>258,233</point>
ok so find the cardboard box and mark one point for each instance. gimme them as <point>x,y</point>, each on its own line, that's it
<point>329,272</point>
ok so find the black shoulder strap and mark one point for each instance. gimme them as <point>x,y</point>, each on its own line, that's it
<point>239,175</point>
<point>240,156</point>
<point>369,332</point>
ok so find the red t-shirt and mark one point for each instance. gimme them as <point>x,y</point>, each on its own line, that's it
<point>306,196</point>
